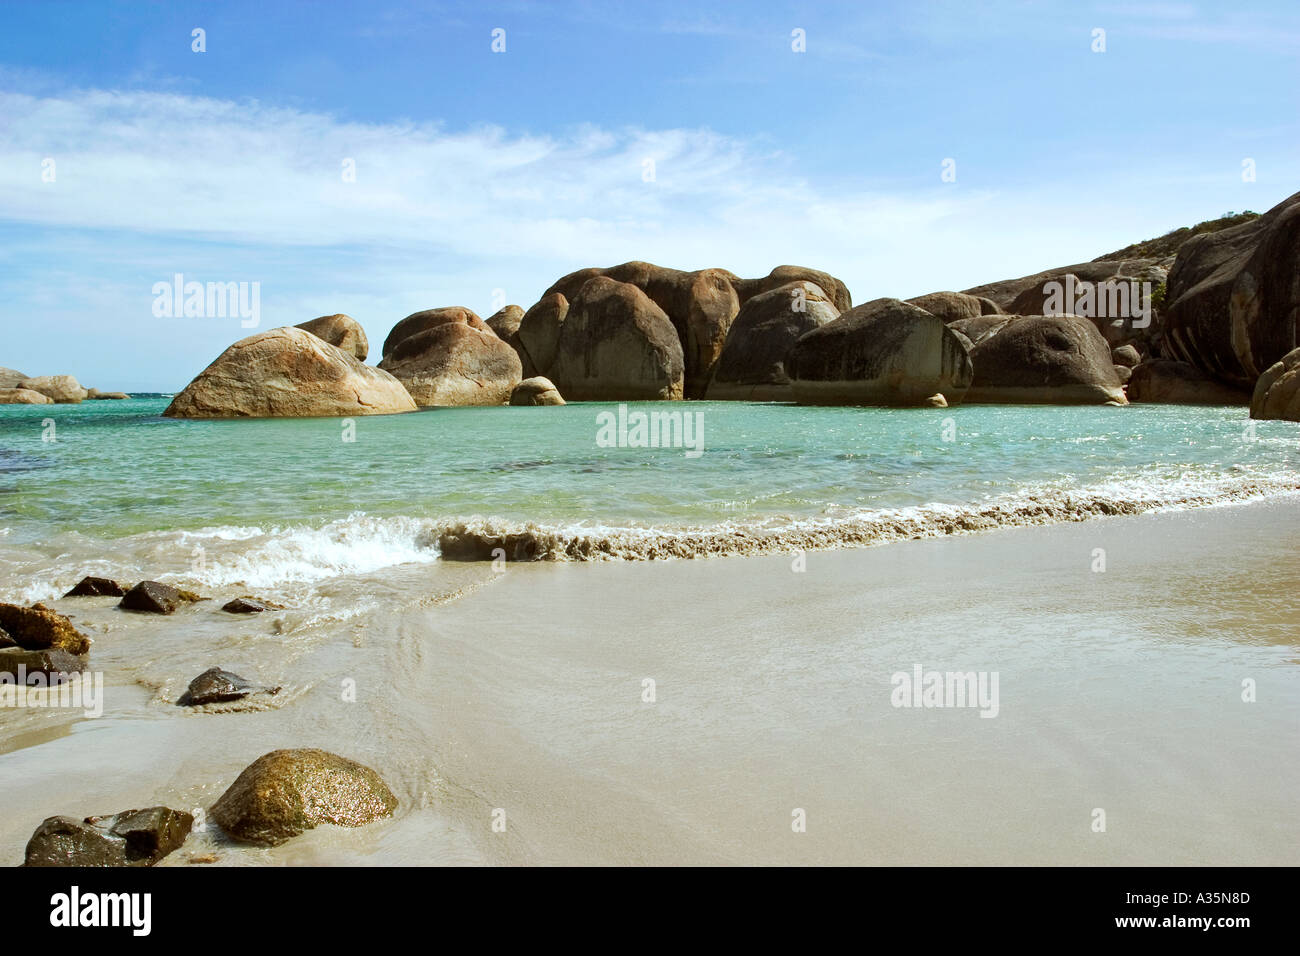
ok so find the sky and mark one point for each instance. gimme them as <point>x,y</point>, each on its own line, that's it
<point>381,158</point>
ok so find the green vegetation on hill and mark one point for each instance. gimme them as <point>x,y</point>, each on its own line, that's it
<point>1168,244</point>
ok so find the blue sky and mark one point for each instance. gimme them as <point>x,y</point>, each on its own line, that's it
<point>482,175</point>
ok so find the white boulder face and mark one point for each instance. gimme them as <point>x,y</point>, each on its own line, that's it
<point>289,373</point>
<point>883,352</point>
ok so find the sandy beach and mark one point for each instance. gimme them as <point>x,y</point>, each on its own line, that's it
<point>522,691</point>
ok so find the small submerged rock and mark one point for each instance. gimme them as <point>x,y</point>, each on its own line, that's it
<point>153,597</point>
<point>248,605</point>
<point>97,587</point>
<point>288,792</point>
<point>130,838</point>
<point>215,686</point>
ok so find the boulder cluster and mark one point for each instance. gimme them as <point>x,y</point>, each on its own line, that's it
<point>1206,325</point>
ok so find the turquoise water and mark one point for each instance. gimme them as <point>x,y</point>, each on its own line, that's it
<point>120,468</point>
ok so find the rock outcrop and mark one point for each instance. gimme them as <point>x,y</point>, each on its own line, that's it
<point>883,352</point>
<point>1058,360</point>
<point>700,305</point>
<point>752,366</point>
<point>1233,297</point>
<point>1179,383</point>
<point>342,332</point>
<point>616,344</point>
<point>288,792</point>
<point>289,373</point>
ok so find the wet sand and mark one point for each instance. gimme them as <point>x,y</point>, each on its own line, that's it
<point>523,691</point>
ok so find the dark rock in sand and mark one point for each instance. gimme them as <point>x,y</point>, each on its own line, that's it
<point>48,662</point>
<point>536,391</point>
<point>1179,383</point>
<point>215,686</point>
<point>130,838</point>
<point>97,587</point>
<point>341,331</point>
<point>752,366</point>
<point>288,792</point>
<point>883,352</point>
<point>1036,359</point>
<point>153,597</point>
<point>1233,298</point>
<point>38,628</point>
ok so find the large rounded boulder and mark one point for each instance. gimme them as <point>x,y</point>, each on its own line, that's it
<point>616,344</point>
<point>1277,393</point>
<point>1036,359</point>
<point>883,352</point>
<point>455,363</point>
<point>418,322</point>
<point>10,378</point>
<point>951,306</point>
<point>342,332</point>
<point>539,332</point>
<point>288,373</point>
<point>835,290</point>
<point>1233,297</point>
<point>536,391</point>
<point>288,792</point>
<point>64,389</point>
<point>752,366</point>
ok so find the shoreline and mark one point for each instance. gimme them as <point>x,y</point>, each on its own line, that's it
<point>524,693</point>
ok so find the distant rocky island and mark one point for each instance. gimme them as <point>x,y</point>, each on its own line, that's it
<point>19,389</point>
